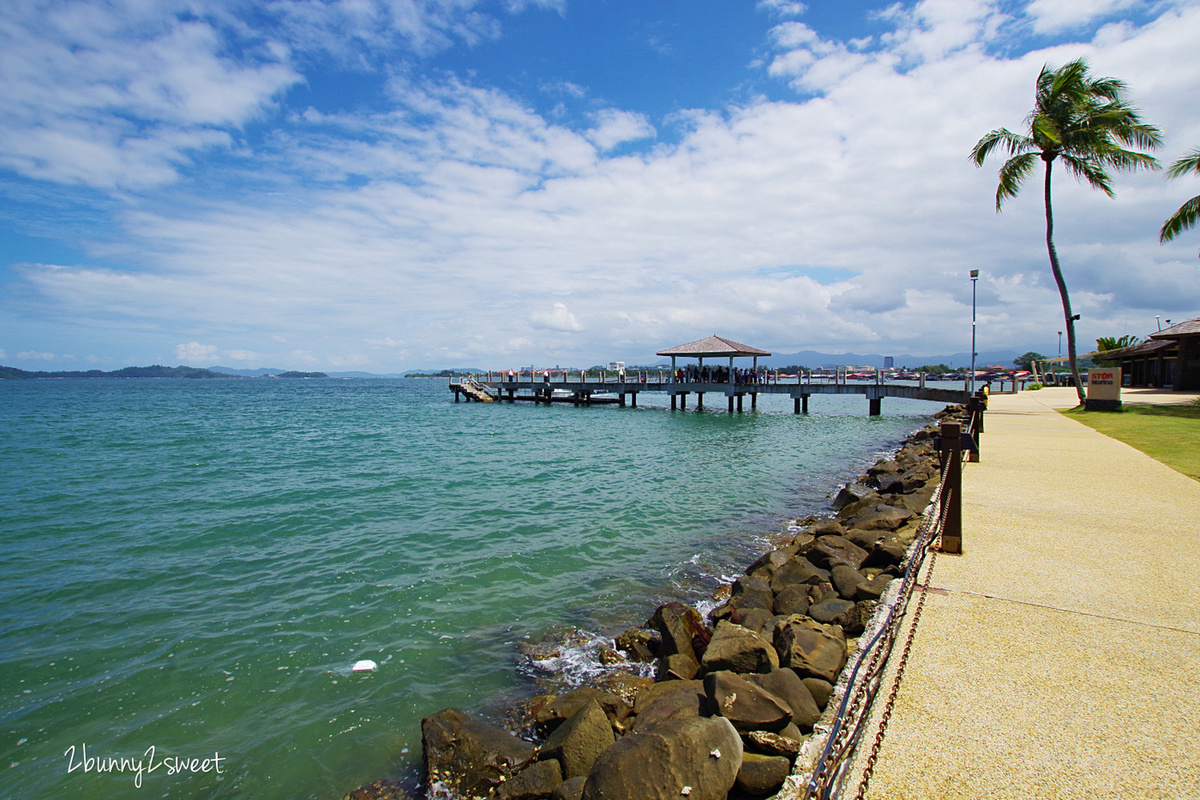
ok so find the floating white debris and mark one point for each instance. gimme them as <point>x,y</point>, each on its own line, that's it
<point>366,665</point>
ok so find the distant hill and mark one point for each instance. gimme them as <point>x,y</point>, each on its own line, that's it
<point>155,371</point>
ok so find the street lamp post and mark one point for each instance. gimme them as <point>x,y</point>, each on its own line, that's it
<point>974,279</point>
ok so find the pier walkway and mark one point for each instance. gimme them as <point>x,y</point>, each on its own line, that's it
<point>624,392</point>
<point>1059,656</point>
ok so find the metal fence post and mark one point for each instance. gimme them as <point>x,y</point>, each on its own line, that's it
<point>952,486</point>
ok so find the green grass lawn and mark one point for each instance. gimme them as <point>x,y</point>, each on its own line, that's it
<point>1170,434</point>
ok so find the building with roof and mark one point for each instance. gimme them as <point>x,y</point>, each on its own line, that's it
<point>1169,358</point>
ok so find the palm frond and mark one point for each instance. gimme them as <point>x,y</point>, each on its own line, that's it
<point>1189,163</point>
<point>1181,220</point>
<point>1087,169</point>
<point>1014,143</point>
<point>1013,174</point>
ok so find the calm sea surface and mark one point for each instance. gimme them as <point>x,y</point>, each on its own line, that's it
<point>194,566</point>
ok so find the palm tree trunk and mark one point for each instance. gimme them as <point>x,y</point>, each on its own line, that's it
<point>1068,317</point>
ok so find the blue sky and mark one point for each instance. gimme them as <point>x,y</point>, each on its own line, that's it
<point>391,184</point>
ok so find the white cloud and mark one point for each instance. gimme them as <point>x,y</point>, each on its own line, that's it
<point>1054,16</point>
<point>33,355</point>
<point>243,355</point>
<point>121,94</point>
<point>479,212</point>
<point>195,353</point>
<point>783,8</point>
<point>614,127</point>
<point>557,319</point>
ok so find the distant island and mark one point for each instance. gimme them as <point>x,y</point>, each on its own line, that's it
<point>155,371</point>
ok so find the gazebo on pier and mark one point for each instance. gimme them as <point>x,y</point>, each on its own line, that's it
<point>712,347</point>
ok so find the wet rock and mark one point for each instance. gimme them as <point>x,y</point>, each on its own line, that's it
<point>624,685</point>
<point>563,707</point>
<point>578,742</point>
<point>379,790</point>
<point>638,644</point>
<point>747,706</point>
<point>469,755</point>
<point>787,686</point>
<point>762,775</point>
<point>678,624</point>
<point>812,649</point>
<point>740,650</point>
<point>888,482</point>
<point>830,551</point>
<point>535,782</point>
<point>793,599</point>
<point>700,755</point>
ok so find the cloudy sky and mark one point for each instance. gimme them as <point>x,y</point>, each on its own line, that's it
<point>390,184</point>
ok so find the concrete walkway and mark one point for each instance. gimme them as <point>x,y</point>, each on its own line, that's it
<point>1059,656</point>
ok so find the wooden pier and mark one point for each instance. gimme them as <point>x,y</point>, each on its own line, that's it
<point>625,392</point>
<point>725,381</point>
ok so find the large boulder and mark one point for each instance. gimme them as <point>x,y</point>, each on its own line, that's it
<point>678,624</point>
<point>829,551</point>
<point>747,706</point>
<point>751,591</point>
<point>562,708</point>
<point>794,599</point>
<point>677,666</point>
<point>812,649</point>
<point>735,648</point>
<point>569,790</point>
<point>762,775</point>
<point>847,580</point>
<point>468,755</point>
<point>696,758</point>
<point>874,588</point>
<point>788,687</point>
<point>797,571</point>
<point>851,493</point>
<point>669,700</point>
<point>766,564</point>
<point>881,516</point>
<point>535,782</point>
<point>578,742</point>
<point>834,612</point>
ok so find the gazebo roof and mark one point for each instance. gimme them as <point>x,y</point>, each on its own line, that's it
<point>1189,328</point>
<point>713,346</point>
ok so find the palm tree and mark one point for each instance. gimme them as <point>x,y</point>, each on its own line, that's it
<point>1187,214</point>
<point>1082,121</point>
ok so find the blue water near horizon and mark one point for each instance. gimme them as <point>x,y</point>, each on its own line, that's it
<point>194,566</point>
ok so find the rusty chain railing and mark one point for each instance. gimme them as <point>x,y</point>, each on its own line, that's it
<point>831,770</point>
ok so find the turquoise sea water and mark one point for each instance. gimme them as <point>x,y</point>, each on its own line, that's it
<point>194,566</point>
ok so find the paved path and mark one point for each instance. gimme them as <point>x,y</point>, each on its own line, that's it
<point>1060,655</point>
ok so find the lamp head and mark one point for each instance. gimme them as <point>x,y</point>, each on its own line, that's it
<point>974,274</point>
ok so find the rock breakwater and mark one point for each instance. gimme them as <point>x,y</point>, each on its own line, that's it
<point>736,693</point>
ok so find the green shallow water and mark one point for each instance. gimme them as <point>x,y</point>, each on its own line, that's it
<point>195,565</point>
